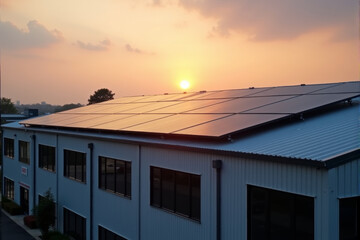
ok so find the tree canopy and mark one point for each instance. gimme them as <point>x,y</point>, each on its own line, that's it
<point>7,107</point>
<point>101,95</point>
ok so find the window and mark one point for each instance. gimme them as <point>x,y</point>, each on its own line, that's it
<point>9,147</point>
<point>24,152</point>
<point>9,188</point>
<point>47,157</point>
<point>174,191</point>
<point>115,176</point>
<point>349,218</point>
<point>74,225</point>
<point>75,165</point>
<point>279,215</point>
<point>105,234</point>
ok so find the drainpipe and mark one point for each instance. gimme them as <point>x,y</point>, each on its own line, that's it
<point>34,169</point>
<point>217,164</point>
<point>91,147</point>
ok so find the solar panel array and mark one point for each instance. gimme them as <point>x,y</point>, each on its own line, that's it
<point>209,114</point>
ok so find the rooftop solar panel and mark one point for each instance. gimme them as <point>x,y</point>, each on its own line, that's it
<point>240,104</point>
<point>230,124</point>
<point>350,87</point>
<point>211,114</point>
<point>174,123</point>
<point>292,90</point>
<point>302,103</point>
<point>185,106</point>
<point>129,121</point>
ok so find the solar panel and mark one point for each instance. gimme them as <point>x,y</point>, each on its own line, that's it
<point>174,123</point>
<point>129,121</point>
<point>212,114</point>
<point>230,124</point>
<point>292,90</point>
<point>302,103</point>
<point>185,106</point>
<point>240,104</point>
<point>350,87</point>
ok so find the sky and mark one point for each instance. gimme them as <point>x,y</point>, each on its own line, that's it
<point>60,52</point>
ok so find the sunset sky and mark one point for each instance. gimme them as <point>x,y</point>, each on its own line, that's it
<point>61,51</point>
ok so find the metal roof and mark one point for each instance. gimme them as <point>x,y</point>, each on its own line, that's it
<point>215,114</point>
<point>323,140</point>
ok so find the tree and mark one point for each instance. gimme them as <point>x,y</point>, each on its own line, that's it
<point>7,107</point>
<point>45,212</point>
<point>101,95</point>
<point>67,107</point>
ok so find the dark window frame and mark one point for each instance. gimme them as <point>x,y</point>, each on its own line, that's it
<point>105,234</point>
<point>125,188</point>
<point>167,194</point>
<point>79,232</point>
<point>47,158</point>
<point>9,147</point>
<point>9,188</point>
<point>71,159</point>
<point>268,220</point>
<point>24,149</point>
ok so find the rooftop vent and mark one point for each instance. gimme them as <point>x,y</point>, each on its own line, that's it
<point>203,91</point>
<point>303,84</point>
<point>251,88</point>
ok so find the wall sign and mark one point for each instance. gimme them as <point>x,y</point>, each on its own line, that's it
<point>24,171</point>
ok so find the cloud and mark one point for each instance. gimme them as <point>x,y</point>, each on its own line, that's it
<point>131,49</point>
<point>36,36</point>
<point>265,20</point>
<point>101,46</point>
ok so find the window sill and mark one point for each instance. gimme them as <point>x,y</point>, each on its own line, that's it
<point>115,193</point>
<point>177,214</point>
<point>47,170</point>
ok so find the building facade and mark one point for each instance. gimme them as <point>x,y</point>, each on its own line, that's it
<point>294,180</point>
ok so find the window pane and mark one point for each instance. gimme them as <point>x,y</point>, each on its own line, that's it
<point>155,187</point>
<point>24,152</point>
<point>128,179</point>
<point>120,177</point>
<point>281,216</point>
<point>168,189</point>
<point>183,193</point>
<point>110,174</point>
<point>304,218</point>
<point>349,219</point>
<point>102,172</point>
<point>195,197</point>
<point>258,213</point>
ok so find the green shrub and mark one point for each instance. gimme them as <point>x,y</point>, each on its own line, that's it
<point>12,208</point>
<point>45,212</point>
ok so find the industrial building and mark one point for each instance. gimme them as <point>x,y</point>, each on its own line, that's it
<point>257,163</point>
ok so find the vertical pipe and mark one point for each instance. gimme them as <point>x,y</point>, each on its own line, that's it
<point>139,198</point>
<point>91,147</point>
<point>217,164</point>
<point>57,181</point>
<point>34,169</point>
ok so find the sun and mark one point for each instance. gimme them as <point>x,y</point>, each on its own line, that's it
<point>184,84</point>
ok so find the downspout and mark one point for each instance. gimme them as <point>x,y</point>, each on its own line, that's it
<point>34,169</point>
<point>217,164</point>
<point>57,181</point>
<point>91,147</point>
<point>139,198</point>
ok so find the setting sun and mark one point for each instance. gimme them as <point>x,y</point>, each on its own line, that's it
<point>184,84</point>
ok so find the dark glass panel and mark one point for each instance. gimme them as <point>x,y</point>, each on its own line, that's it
<point>120,177</point>
<point>304,222</point>
<point>128,179</point>
<point>156,187</point>
<point>258,213</point>
<point>348,219</point>
<point>281,216</point>
<point>195,197</point>
<point>110,174</point>
<point>102,172</point>
<point>182,193</point>
<point>168,189</point>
